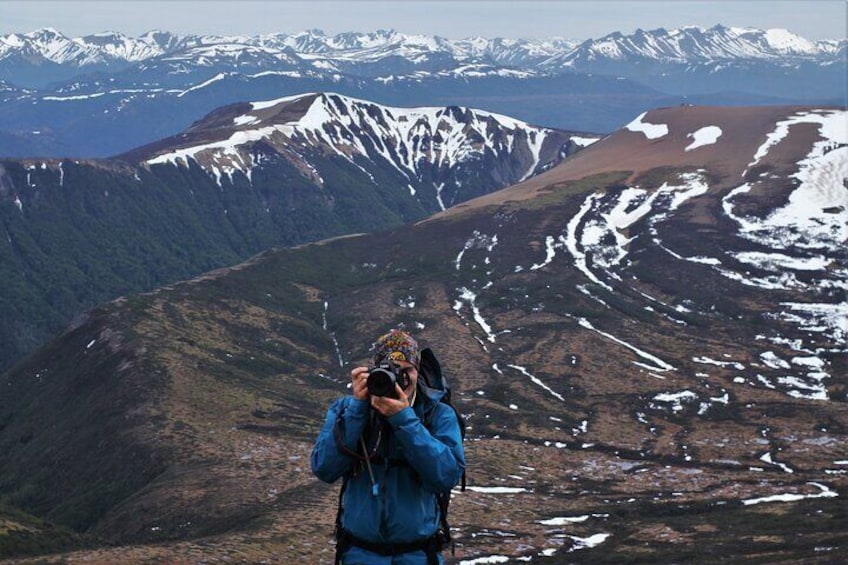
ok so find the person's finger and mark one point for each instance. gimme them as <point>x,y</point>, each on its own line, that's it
<point>359,382</point>
<point>378,404</point>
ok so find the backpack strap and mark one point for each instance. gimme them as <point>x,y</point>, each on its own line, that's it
<point>343,539</point>
<point>342,543</point>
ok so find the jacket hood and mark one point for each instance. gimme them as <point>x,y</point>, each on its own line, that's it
<point>430,397</point>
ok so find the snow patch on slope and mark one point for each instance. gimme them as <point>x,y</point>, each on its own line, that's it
<point>705,136</point>
<point>817,212</point>
<point>651,131</point>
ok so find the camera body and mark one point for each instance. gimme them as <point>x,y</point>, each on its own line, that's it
<point>383,377</point>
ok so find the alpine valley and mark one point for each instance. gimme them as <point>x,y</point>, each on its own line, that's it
<point>242,179</point>
<point>647,339</point>
<point>104,94</point>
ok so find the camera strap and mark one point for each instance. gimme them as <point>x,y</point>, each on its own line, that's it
<point>364,455</point>
<point>375,486</point>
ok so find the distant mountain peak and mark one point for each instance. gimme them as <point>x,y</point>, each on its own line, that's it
<point>45,32</point>
<point>420,144</point>
<point>691,45</point>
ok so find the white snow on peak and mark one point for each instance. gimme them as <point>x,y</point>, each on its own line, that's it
<point>704,136</point>
<point>407,138</point>
<point>651,131</point>
<point>262,105</point>
<point>584,141</point>
<point>682,44</point>
<point>784,41</point>
<point>735,29</point>
<point>92,49</point>
<point>694,44</point>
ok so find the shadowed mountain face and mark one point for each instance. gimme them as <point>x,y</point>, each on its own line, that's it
<point>648,342</point>
<point>242,179</point>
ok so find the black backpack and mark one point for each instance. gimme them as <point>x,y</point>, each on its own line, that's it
<point>431,371</point>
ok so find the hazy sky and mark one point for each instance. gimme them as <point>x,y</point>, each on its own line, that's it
<point>572,19</point>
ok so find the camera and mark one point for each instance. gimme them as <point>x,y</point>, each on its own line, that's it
<point>382,379</point>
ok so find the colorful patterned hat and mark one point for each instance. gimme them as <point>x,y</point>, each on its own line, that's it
<point>396,345</point>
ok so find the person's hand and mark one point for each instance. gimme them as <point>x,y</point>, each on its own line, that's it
<point>388,406</point>
<point>359,382</point>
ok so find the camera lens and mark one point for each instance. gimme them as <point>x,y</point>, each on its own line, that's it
<point>381,382</point>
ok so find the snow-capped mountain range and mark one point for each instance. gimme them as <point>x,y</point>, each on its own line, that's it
<point>312,50</point>
<point>698,45</point>
<point>357,52</point>
<point>104,94</point>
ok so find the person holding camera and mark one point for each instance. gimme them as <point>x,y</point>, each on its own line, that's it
<point>398,449</point>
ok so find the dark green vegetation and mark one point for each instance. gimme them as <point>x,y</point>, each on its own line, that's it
<point>87,233</point>
<point>176,425</point>
<point>23,534</point>
<point>76,234</point>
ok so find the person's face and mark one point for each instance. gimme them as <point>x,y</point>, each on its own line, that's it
<point>412,372</point>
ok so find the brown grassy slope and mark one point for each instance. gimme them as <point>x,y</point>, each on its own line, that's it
<point>744,129</point>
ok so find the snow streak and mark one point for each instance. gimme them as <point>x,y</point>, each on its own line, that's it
<point>659,364</point>
<point>537,381</point>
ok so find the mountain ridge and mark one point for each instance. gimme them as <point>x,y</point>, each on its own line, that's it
<point>730,42</point>
<point>428,136</point>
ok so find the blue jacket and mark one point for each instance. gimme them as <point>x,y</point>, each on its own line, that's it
<point>413,463</point>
